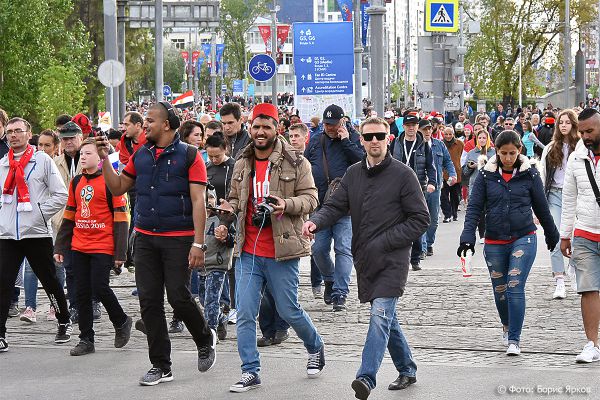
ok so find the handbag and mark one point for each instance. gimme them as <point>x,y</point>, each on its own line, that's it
<point>592,179</point>
<point>332,185</point>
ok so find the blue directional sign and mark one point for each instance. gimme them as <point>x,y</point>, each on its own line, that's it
<point>166,90</point>
<point>441,16</point>
<point>323,58</point>
<point>238,87</point>
<point>262,67</point>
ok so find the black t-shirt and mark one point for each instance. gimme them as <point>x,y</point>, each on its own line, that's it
<point>409,145</point>
<point>220,177</point>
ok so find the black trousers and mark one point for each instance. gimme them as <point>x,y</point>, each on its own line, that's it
<point>39,254</point>
<point>162,263</point>
<point>92,278</point>
<point>415,251</point>
<point>450,200</point>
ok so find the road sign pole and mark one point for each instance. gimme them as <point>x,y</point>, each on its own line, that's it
<point>158,49</point>
<point>274,53</point>
<point>377,11</point>
<point>213,71</point>
<point>121,44</point>
<point>567,55</point>
<point>111,53</point>
<point>438,72</point>
<point>407,55</point>
<point>357,60</point>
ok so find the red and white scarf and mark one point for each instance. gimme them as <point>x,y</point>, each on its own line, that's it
<point>16,179</point>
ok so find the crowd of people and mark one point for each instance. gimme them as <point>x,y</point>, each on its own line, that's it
<point>223,205</point>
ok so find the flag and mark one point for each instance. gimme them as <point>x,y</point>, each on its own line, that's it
<point>365,21</point>
<point>206,49</point>
<point>220,51</point>
<point>186,57</point>
<point>282,34</point>
<point>346,9</point>
<point>185,99</point>
<point>195,56</point>
<point>265,32</point>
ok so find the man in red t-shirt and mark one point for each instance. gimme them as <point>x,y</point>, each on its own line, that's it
<point>170,182</point>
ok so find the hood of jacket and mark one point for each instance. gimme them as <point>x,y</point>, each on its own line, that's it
<point>525,163</point>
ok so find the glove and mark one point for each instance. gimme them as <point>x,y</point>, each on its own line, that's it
<point>462,249</point>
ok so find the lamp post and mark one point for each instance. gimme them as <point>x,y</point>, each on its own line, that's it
<point>520,73</point>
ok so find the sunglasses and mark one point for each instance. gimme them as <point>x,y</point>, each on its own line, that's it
<point>368,137</point>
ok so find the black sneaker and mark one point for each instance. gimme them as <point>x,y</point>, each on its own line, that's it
<point>207,354</point>
<point>264,341</point>
<point>361,388</point>
<point>454,219</point>
<point>429,251</point>
<point>14,311</point>
<point>83,347</point>
<point>97,311</point>
<point>422,256</point>
<point>402,382</point>
<point>222,330</point>
<point>3,345</point>
<point>140,326</point>
<point>63,334</point>
<point>74,315</point>
<point>316,362</point>
<point>415,266</point>
<point>155,376</point>
<point>446,220</point>
<point>328,291</point>
<point>123,333</point>
<point>339,303</point>
<point>176,326</point>
<point>248,381</point>
<point>280,337</point>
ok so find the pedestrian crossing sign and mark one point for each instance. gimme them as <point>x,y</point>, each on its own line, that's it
<point>441,15</point>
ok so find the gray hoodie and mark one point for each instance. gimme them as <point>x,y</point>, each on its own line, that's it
<point>218,255</point>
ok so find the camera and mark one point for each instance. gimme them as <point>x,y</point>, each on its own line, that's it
<point>261,218</point>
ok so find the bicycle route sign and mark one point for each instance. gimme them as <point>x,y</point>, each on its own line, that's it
<point>262,67</point>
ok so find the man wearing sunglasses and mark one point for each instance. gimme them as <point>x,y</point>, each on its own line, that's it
<point>386,219</point>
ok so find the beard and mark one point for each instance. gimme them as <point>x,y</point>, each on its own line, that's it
<point>593,145</point>
<point>268,144</point>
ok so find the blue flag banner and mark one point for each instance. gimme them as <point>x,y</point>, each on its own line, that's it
<point>206,49</point>
<point>199,66</point>
<point>225,68</point>
<point>346,9</point>
<point>220,50</point>
<point>364,21</point>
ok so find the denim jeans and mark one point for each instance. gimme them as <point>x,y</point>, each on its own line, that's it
<point>338,273</point>
<point>194,282</point>
<point>31,283</point>
<point>384,332</point>
<point>281,277</point>
<point>509,266</point>
<point>316,279</point>
<point>555,205</point>
<point>209,289</point>
<point>433,205</point>
<point>269,319</point>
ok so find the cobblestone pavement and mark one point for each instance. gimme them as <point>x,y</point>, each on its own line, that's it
<point>447,319</point>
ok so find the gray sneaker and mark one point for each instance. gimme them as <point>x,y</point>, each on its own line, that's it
<point>14,310</point>
<point>96,310</point>
<point>123,333</point>
<point>83,347</point>
<point>155,376</point>
<point>207,354</point>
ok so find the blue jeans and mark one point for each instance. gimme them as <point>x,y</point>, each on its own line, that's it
<point>509,266</point>
<point>194,282</point>
<point>316,279</point>
<point>555,205</point>
<point>252,273</point>
<point>269,319</point>
<point>384,332</point>
<point>338,273</point>
<point>433,205</point>
<point>209,292</point>
<point>31,283</point>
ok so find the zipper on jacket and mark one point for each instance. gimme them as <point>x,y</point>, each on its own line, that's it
<point>168,167</point>
<point>182,207</point>
<point>44,218</point>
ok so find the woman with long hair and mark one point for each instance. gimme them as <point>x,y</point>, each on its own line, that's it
<point>506,190</point>
<point>192,132</point>
<point>553,164</point>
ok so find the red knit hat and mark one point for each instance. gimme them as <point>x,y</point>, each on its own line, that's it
<point>84,123</point>
<point>265,109</point>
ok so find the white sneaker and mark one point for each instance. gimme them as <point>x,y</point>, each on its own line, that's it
<point>590,353</point>
<point>51,314</point>
<point>560,291</point>
<point>28,315</point>
<point>232,317</point>
<point>504,338</point>
<point>513,350</point>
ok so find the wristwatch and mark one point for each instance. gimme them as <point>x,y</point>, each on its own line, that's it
<point>201,246</point>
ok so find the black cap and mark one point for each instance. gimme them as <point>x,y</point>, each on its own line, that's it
<point>70,129</point>
<point>424,123</point>
<point>410,119</point>
<point>333,114</point>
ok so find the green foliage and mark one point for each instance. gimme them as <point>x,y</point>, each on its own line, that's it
<point>37,35</point>
<point>492,60</point>
<point>139,60</point>
<point>61,91</point>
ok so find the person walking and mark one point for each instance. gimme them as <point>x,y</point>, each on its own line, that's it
<point>386,220</point>
<point>451,187</point>
<point>505,191</point>
<point>170,179</point>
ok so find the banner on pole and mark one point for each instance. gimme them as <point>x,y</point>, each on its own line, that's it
<point>364,21</point>
<point>265,32</point>
<point>345,9</point>
<point>283,32</point>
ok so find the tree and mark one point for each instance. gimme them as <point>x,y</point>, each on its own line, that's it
<point>492,60</point>
<point>242,14</point>
<point>61,91</point>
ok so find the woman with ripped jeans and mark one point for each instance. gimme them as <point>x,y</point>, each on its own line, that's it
<point>509,186</point>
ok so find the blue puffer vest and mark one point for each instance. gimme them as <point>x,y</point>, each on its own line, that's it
<point>163,189</point>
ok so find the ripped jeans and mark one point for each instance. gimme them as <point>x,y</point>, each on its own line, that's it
<point>509,266</point>
<point>384,332</point>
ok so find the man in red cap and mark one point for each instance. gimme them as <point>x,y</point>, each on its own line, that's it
<point>272,193</point>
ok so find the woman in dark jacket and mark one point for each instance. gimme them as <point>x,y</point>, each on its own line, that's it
<point>510,187</point>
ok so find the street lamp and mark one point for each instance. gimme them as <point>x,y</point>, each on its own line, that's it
<point>520,73</point>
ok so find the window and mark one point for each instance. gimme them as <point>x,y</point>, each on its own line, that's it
<point>288,59</point>
<point>178,43</point>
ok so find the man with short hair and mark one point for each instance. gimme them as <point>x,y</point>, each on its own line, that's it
<point>32,192</point>
<point>170,235</point>
<point>509,124</point>
<point>519,124</point>
<point>390,118</point>
<point>330,153</point>
<point>269,172</point>
<point>212,127</point>
<point>298,133</point>
<point>134,136</point>
<point>61,120</point>
<point>451,182</point>
<point>499,112</point>
<point>386,220</point>
<point>580,219</point>
<point>231,118</point>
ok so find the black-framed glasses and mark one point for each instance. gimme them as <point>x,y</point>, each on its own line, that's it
<point>17,131</point>
<point>368,137</point>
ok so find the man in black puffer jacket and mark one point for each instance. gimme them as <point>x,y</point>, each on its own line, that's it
<point>545,132</point>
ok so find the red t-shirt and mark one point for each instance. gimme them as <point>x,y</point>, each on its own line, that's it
<point>260,245</point>
<point>93,231</point>
<point>124,154</point>
<point>196,174</point>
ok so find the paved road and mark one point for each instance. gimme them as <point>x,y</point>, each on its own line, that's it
<point>450,322</point>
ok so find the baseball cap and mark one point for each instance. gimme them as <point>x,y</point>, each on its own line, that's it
<point>333,114</point>
<point>410,118</point>
<point>459,127</point>
<point>424,123</point>
<point>70,129</point>
<point>267,109</point>
<point>83,122</point>
<point>388,114</point>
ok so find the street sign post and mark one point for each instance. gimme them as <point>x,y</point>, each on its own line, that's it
<point>167,90</point>
<point>262,67</point>
<point>441,16</point>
